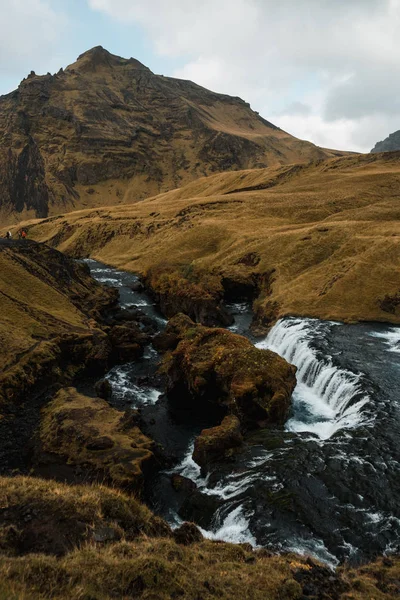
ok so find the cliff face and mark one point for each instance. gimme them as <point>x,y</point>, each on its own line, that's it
<point>107,130</point>
<point>390,144</point>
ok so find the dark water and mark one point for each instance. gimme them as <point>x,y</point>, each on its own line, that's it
<point>329,484</point>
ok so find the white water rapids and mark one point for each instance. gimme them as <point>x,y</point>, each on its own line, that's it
<point>326,398</point>
<point>325,463</point>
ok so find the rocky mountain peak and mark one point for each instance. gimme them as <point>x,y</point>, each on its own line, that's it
<point>107,130</point>
<point>98,58</point>
<point>390,144</point>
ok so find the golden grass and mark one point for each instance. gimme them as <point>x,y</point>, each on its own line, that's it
<point>46,300</point>
<point>54,554</point>
<point>54,518</point>
<point>329,232</point>
<point>88,432</point>
<point>160,569</point>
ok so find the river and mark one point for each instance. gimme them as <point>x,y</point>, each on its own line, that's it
<point>328,485</point>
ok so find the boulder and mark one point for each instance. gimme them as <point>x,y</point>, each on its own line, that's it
<point>218,442</point>
<point>103,389</point>
<point>215,370</point>
<point>128,342</point>
<point>187,534</point>
<point>91,436</point>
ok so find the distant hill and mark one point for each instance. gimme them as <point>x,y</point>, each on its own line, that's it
<point>107,130</point>
<point>390,144</point>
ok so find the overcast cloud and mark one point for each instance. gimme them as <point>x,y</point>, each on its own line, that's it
<point>326,70</point>
<point>28,27</point>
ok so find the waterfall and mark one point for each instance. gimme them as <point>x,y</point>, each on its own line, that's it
<point>327,398</point>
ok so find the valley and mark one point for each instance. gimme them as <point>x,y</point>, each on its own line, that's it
<point>199,348</point>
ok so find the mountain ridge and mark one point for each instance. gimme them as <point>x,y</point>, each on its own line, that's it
<point>107,130</point>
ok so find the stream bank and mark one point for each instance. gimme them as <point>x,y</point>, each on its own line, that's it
<point>327,484</point>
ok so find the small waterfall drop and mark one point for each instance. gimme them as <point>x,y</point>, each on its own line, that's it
<point>327,398</point>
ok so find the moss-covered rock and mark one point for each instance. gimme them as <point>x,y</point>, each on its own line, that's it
<point>215,368</point>
<point>218,442</point>
<point>180,290</point>
<point>53,518</point>
<point>88,434</point>
<point>127,341</point>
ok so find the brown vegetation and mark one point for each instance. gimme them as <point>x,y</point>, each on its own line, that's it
<point>320,240</point>
<point>39,516</point>
<point>77,542</point>
<point>87,433</point>
<point>48,327</point>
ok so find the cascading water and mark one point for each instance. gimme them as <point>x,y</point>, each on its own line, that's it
<point>327,398</point>
<point>328,484</point>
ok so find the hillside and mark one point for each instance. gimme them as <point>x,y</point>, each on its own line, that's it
<point>49,306</point>
<point>321,240</point>
<point>389,144</point>
<point>106,130</point>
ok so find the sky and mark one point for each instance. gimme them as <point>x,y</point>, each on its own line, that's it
<point>327,71</point>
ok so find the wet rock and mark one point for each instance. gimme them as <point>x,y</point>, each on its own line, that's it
<point>187,534</point>
<point>182,484</point>
<point>103,389</point>
<point>218,442</point>
<point>199,508</point>
<point>137,287</point>
<point>128,342</point>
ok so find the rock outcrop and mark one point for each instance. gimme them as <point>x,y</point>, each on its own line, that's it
<point>217,371</point>
<point>217,443</point>
<point>178,293</point>
<point>389,144</point>
<point>87,433</point>
<point>107,130</point>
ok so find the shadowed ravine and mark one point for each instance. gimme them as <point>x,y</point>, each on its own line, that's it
<point>328,484</point>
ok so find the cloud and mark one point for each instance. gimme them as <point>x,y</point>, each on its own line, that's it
<point>277,54</point>
<point>29,33</point>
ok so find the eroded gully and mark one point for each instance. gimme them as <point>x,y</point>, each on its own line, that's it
<point>329,484</point>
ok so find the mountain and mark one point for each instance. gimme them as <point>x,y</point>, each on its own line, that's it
<point>317,240</point>
<point>390,144</point>
<point>107,130</point>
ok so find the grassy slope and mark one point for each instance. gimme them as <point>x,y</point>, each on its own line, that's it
<point>44,298</point>
<point>329,231</point>
<point>90,542</point>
